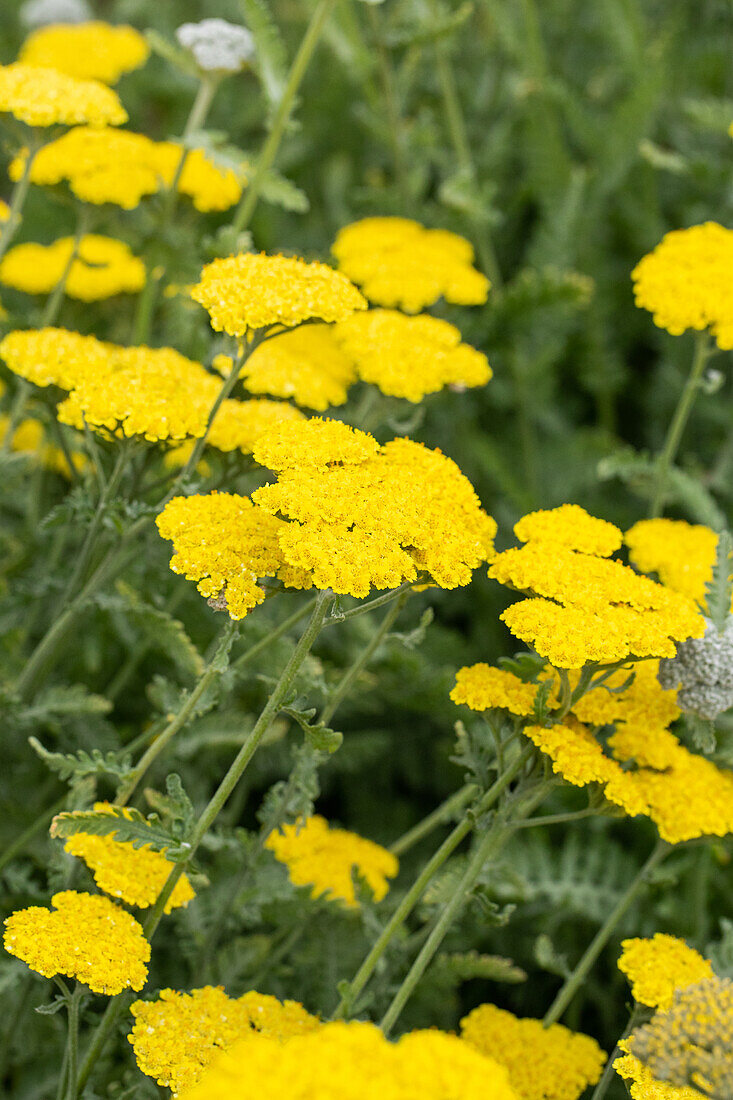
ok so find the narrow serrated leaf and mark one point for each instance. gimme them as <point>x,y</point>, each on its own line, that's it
<point>719,589</point>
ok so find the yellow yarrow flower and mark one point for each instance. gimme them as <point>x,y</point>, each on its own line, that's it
<point>176,1035</point>
<point>316,445</point>
<point>239,425</point>
<point>400,264</point>
<point>306,364</point>
<point>102,268</point>
<point>226,544</point>
<point>482,687</point>
<point>658,966</point>
<point>44,97</point>
<point>571,527</point>
<point>86,937</point>
<point>685,282</point>
<point>54,356</point>
<point>643,1086</point>
<point>155,393</point>
<point>86,51</point>
<point>324,858</point>
<point>249,292</point>
<point>681,554</point>
<point>30,438</point>
<point>550,1063</point>
<point>643,700</point>
<point>410,357</point>
<point>209,187</point>
<point>134,875</point>
<point>354,1061</point>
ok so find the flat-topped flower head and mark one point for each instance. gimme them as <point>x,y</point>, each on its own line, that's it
<point>685,282</point>
<point>482,687</point>
<point>571,527</point>
<point>210,187</point>
<point>102,268</point>
<point>544,1063</point>
<point>410,357</point>
<point>134,875</point>
<point>658,966</point>
<point>85,936</point>
<point>87,51</point>
<point>691,1042</point>
<point>364,516</point>
<point>400,264</point>
<point>176,1035</point>
<point>155,393</point>
<point>582,607</point>
<point>227,545</point>
<point>54,356</point>
<point>254,291</point>
<point>45,97</point>
<point>681,554</point>
<point>306,364</point>
<point>354,1061</point>
<point>217,46</point>
<point>325,858</point>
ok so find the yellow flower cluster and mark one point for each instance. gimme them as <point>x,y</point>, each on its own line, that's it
<point>45,97</point>
<point>681,554</point>
<point>87,51</point>
<point>400,264</point>
<point>121,167</point>
<point>240,424</point>
<point>317,855</point>
<point>482,687</point>
<point>176,1035</point>
<point>226,544</point>
<point>685,795</point>
<point>29,438</point>
<point>155,393</point>
<point>685,282</point>
<point>354,1061</point>
<point>691,1042</point>
<point>550,1063</point>
<point>658,966</point>
<point>54,356</point>
<point>643,1086</point>
<point>369,516</point>
<point>135,875</point>
<point>86,937</point>
<point>305,363</point>
<point>250,291</point>
<point>102,268</point>
<point>572,528</point>
<point>643,700</point>
<point>586,608</point>
<point>410,356</point>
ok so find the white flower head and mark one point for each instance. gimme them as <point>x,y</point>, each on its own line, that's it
<point>39,13</point>
<point>216,45</point>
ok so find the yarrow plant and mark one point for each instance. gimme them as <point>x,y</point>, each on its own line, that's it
<point>365,737</point>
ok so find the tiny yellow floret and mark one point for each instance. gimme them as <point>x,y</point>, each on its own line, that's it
<point>482,687</point>
<point>658,966</point>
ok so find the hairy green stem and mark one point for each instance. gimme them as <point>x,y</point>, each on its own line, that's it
<point>413,895</point>
<point>491,844</point>
<point>573,983</point>
<point>370,605</point>
<point>285,626</point>
<point>72,1061</point>
<point>248,203</point>
<point>442,813</point>
<point>703,351</point>
<point>608,1073</point>
<point>215,668</point>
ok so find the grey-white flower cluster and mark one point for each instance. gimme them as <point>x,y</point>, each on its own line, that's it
<point>39,13</point>
<point>703,672</point>
<point>216,45</point>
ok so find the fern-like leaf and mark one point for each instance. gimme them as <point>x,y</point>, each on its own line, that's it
<point>127,825</point>
<point>719,589</point>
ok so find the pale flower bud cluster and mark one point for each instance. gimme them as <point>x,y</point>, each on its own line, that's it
<point>39,13</point>
<point>703,671</point>
<point>216,45</point>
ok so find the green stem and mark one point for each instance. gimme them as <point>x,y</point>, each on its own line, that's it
<point>703,351</point>
<point>573,983</point>
<point>53,305</point>
<point>246,208</point>
<point>413,895</point>
<point>215,805</point>
<point>72,1060</point>
<point>217,665</point>
<point>442,813</point>
<point>342,688</point>
<point>17,199</point>
<point>608,1073</point>
<point>370,605</point>
<point>487,849</point>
